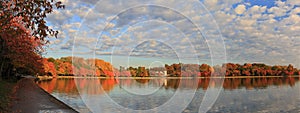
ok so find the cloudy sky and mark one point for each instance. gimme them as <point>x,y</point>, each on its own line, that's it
<point>158,32</point>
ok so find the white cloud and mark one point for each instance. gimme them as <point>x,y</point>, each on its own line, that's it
<point>293,2</point>
<point>280,3</point>
<point>210,3</point>
<point>277,11</point>
<point>240,9</point>
<point>296,10</point>
<point>250,33</point>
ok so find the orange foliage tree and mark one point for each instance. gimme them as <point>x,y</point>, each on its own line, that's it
<point>49,67</point>
<point>66,66</point>
<point>23,31</point>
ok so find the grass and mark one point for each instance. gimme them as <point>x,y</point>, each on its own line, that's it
<point>6,88</point>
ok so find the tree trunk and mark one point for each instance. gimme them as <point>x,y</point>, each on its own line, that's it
<point>1,56</point>
<point>5,70</point>
<point>1,68</point>
<point>8,72</point>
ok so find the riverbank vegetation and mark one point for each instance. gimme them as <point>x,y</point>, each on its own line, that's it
<point>70,66</point>
<point>80,67</point>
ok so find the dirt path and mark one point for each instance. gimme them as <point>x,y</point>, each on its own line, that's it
<point>29,98</point>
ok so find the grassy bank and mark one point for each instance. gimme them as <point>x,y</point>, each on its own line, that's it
<point>6,88</point>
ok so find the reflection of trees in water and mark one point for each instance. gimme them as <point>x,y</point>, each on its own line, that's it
<point>251,83</point>
<point>101,86</point>
<point>94,86</point>
<point>66,85</point>
<point>172,83</point>
<point>142,81</point>
<point>85,85</point>
<point>234,83</point>
<point>107,84</point>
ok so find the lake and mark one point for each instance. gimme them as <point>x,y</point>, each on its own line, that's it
<point>263,94</point>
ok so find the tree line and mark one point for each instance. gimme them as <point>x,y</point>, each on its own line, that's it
<point>96,67</point>
<point>231,69</point>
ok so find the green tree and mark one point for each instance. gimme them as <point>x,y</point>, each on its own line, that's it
<point>51,60</point>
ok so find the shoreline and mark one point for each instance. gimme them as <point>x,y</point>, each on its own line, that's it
<point>174,77</point>
<point>61,102</point>
<point>29,97</point>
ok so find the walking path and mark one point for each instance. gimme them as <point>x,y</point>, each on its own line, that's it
<point>29,98</point>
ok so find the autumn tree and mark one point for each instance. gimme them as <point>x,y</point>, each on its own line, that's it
<point>23,33</point>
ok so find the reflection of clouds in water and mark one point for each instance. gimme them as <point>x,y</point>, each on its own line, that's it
<point>271,99</point>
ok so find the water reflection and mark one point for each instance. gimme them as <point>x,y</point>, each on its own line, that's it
<point>67,85</point>
<point>239,94</point>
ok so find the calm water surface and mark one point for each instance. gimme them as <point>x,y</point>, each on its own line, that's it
<point>277,94</point>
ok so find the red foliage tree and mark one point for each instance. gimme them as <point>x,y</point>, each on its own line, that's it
<point>21,49</point>
<point>23,31</point>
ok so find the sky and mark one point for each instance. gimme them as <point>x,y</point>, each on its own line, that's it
<point>158,32</point>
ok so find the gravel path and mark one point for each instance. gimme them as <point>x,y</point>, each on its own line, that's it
<point>29,98</point>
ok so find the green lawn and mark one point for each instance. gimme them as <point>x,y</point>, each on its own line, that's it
<point>5,92</point>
